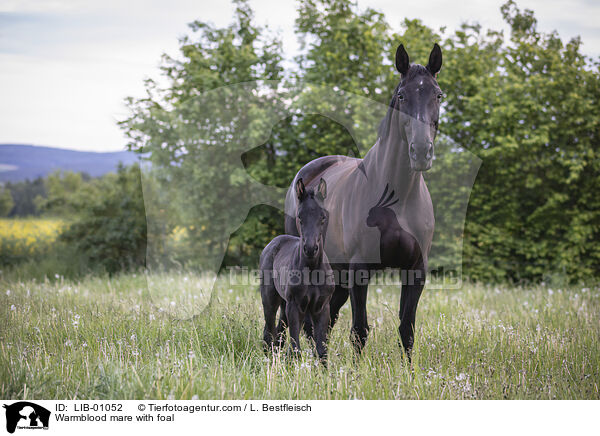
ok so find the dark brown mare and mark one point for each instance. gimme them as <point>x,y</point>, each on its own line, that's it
<point>366,235</point>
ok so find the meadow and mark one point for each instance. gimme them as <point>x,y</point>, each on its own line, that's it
<point>118,338</point>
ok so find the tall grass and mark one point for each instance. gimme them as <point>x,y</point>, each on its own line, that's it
<point>116,338</point>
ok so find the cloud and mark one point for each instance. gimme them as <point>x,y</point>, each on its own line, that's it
<point>68,65</point>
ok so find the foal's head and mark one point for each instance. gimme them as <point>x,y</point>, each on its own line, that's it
<point>416,102</point>
<point>311,218</point>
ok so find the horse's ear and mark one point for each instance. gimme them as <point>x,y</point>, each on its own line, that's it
<point>435,60</point>
<point>402,61</point>
<point>300,189</point>
<point>322,190</point>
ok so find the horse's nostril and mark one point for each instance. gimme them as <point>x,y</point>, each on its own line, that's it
<point>412,149</point>
<point>430,151</point>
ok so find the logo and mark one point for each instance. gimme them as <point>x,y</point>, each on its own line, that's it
<point>26,415</point>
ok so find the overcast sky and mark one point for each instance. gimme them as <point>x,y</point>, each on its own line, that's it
<point>67,65</point>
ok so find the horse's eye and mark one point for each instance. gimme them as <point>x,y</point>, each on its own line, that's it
<point>440,96</point>
<point>400,97</point>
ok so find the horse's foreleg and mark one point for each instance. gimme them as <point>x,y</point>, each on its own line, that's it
<point>360,327</point>
<point>411,292</point>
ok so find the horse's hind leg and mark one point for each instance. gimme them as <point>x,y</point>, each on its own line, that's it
<point>338,299</point>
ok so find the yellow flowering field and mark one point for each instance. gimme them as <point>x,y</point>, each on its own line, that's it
<point>24,238</point>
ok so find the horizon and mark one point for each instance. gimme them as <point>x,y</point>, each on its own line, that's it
<point>5,144</point>
<point>63,56</point>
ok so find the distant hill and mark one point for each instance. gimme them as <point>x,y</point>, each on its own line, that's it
<point>20,162</point>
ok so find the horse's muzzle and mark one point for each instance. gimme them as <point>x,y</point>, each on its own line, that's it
<point>421,156</point>
<point>310,251</point>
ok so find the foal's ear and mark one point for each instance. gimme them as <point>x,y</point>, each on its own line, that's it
<point>402,61</point>
<point>322,190</point>
<point>435,60</point>
<point>300,189</point>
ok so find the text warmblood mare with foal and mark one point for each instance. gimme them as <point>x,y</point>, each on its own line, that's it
<point>365,234</point>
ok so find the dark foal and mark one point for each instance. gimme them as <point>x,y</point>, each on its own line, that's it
<point>296,275</point>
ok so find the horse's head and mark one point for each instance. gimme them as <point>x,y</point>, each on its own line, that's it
<point>381,215</point>
<point>417,99</point>
<point>311,218</point>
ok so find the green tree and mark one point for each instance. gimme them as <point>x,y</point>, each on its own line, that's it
<point>6,201</point>
<point>527,106</point>
<point>110,228</point>
<point>65,191</point>
<point>26,196</point>
<point>528,109</point>
<point>193,140</point>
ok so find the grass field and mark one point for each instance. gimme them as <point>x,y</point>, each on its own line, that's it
<point>106,338</point>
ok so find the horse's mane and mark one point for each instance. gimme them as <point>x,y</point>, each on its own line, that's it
<point>414,71</point>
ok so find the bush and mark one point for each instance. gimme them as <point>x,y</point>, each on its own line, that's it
<point>110,230</point>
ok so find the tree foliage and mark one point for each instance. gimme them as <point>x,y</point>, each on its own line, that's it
<point>109,230</point>
<point>6,201</point>
<point>526,104</point>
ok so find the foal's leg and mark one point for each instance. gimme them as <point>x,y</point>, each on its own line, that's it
<point>282,326</point>
<point>294,318</point>
<point>321,320</point>
<point>411,292</point>
<point>309,330</point>
<point>271,301</point>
